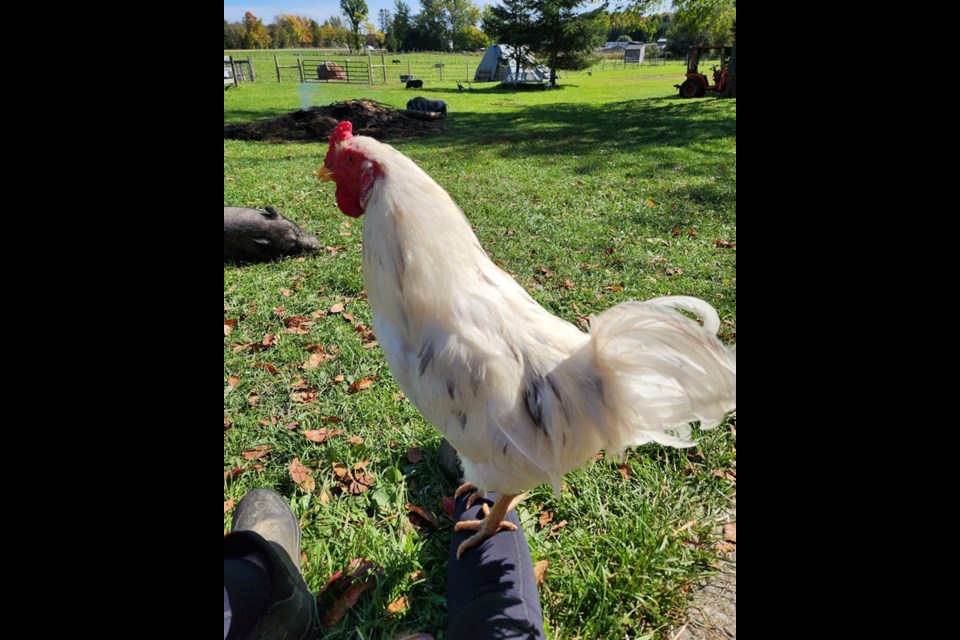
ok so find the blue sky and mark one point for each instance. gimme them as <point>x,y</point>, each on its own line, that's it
<point>318,10</point>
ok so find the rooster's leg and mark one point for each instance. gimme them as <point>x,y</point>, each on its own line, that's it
<point>467,487</point>
<point>493,521</point>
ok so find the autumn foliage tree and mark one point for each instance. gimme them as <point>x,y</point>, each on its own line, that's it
<point>355,12</point>
<point>255,35</point>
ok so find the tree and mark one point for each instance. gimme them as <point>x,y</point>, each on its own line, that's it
<point>232,35</point>
<point>564,38</point>
<point>293,31</point>
<point>384,19</point>
<point>462,17</point>
<point>511,22</point>
<point>355,11</point>
<point>255,35</point>
<point>470,39</point>
<point>550,28</point>
<point>401,26</point>
<point>430,28</point>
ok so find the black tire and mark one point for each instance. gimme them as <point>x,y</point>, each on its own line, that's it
<point>691,89</point>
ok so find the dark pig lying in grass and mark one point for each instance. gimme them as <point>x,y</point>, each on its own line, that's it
<point>423,104</point>
<point>250,234</point>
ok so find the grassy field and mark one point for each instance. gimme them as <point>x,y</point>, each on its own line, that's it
<point>607,189</point>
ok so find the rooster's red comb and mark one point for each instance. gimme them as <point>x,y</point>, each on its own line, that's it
<point>343,131</point>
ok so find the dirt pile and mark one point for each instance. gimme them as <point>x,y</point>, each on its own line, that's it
<point>315,124</point>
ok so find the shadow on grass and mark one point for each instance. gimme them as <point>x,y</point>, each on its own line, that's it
<point>575,129</point>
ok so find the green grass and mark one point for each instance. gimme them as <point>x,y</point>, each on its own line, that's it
<point>610,182</point>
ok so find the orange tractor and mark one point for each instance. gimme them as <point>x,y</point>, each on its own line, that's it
<point>696,83</point>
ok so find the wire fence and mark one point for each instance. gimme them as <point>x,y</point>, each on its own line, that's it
<point>316,66</point>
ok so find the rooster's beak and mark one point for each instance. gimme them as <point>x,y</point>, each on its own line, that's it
<point>324,174</point>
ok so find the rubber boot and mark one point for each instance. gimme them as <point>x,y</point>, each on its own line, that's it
<point>265,539</point>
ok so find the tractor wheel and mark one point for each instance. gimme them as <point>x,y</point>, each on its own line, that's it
<point>691,89</point>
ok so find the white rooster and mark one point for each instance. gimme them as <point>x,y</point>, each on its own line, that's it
<point>523,395</point>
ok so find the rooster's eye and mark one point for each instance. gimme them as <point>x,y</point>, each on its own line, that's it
<point>350,158</point>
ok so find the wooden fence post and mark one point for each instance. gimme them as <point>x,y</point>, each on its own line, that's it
<point>369,68</point>
<point>250,64</point>
<point>277,64</point>
<point>300,68</point>
<point>383,64</point>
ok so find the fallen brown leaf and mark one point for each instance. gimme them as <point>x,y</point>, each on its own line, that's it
<point>257,452</point>
<point>725,547</point>
<point>726,475</point>
<point>232,382</point>
<point>540,571</point>
<point>304,397</point>
<point>545,517</point>
<point>355,440</point>
<point>226,423</point>
<point>414,454</point>
<point>301,475</point>
<point>624,471</point>
<point>651,203</point>
<point>227,505</point>
<point>723,244</point>
<point>296,321</point>
<point>730,531</point>
<point>371,345</point>
<point>398,605</point>
<point>253,398</point>
<point>567,284</point>
<point>450,507</point>
<point>423,513</point>
<point>336,308</point>
<point>555,529</point>
<point>359,385</point>
<point>266,365</point>
<point>417,575</point>
<point>546,272</point>
<point>348,317</point>
<point>321,435</point>
<point>324,497</point>
<point>286,293</point>
<point>314,360</point>
<point>290,426</point>
<point>344,603</point>
<point>340,469</point>
<point>338,378</point>
<point>269,340</point>
<point>233,473</point>
<point>228,326</point>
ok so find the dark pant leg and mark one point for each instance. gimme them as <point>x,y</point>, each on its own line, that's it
<point>247,586</point>
<point>491,589</point>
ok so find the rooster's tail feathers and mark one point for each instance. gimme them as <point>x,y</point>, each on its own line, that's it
<point>661,370</point>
